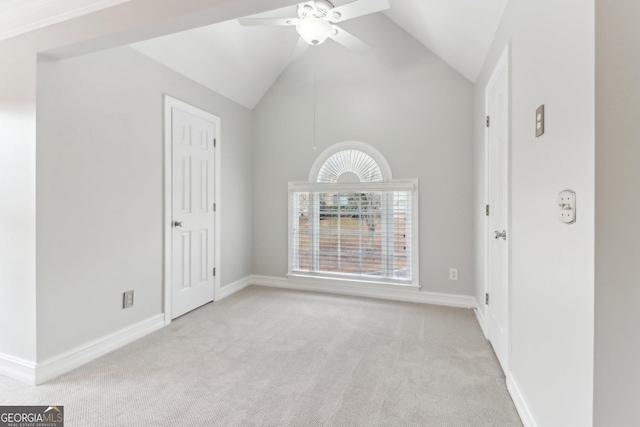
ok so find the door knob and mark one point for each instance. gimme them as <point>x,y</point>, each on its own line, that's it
<point>180,224</point>
<point>503,234</point>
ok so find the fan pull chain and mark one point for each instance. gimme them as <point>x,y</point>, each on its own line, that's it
<point>314,103</point>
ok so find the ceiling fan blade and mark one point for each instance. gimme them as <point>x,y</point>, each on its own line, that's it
<point>299,50</point>
<point>348,40</point>
<point>356,9</point>
<point>268,21</point>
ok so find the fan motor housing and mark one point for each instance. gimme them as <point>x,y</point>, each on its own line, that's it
<point>321,11</point>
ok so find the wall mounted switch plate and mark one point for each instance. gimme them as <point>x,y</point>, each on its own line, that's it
<point>567,205</point>
<point>540,121</point>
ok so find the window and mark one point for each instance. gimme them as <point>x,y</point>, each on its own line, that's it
<point>352,221</point>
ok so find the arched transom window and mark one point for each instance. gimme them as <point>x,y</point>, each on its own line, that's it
<point>345,165</point>
<point>352,221</point>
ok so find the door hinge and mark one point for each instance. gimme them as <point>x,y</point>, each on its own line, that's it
<point>488,121</point>
<point>215,142</point>
<point>486,298</point>
<point>486,210</point>
<point>214,207</point>
<point>214,271</point>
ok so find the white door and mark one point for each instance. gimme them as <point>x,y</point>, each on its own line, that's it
<point>193,231</point>
<point>497,308</point>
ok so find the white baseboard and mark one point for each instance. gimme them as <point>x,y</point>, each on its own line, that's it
<point>480,317</point>
<point>18,369</point>
<point>366,290</point>
<point>520,403</point>
<point>232,288</point>
<point>78,356</point>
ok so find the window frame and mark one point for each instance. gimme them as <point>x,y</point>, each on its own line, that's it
<point>386,185</point>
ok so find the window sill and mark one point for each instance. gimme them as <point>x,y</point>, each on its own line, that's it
<point>354,281</point>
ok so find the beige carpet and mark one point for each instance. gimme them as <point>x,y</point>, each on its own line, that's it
<point>267,357</point>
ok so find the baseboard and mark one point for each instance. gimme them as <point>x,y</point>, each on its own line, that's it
<point>366,290</point>
<point>232,288</point>
<point>480,317</point>
<point>520,403</point>
<point>77,357</point>
<point>18,369</point>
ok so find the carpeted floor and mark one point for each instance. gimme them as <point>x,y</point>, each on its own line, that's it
<point>268,357</point>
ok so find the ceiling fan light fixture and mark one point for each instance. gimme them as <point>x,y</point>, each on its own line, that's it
<point>314,30</point>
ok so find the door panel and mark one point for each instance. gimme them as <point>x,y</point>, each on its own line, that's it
<point>497,191</point>
<point>193,215</point>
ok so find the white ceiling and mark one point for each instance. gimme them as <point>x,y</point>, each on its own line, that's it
<point>460,32</point>
<point>242,63</point>
<point>238,62</point>
<point>20,16</point>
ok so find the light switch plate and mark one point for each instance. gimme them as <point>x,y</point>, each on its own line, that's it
<point>540,121</point>
<point>567,206</point>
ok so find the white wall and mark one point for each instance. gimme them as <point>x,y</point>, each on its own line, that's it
<point>401,99</point>
<point>552,63</point>
<point>100,192</point>
<point>17,201</point>
<point>617,314</point>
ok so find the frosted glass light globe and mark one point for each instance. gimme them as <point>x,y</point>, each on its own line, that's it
<point>314,30</point>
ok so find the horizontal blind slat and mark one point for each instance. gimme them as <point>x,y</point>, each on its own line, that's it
<point>365,233</point>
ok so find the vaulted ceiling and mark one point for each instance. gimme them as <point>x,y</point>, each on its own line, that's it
<point>242,63</point>
<point>458,31</point>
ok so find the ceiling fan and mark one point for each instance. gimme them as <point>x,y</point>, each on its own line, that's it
<point>317,21</point>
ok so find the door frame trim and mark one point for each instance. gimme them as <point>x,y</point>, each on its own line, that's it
<point>502,63</point>
<point>169,104</point>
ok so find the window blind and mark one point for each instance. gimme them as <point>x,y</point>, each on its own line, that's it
<point>360,234</point>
